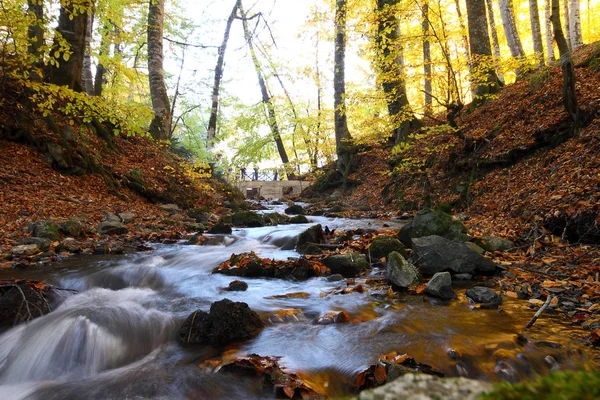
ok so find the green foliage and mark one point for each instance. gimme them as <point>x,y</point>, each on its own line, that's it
<point>421,143</point>
<point>560,385</point>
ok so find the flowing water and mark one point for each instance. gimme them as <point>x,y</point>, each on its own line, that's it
<point>116,338</point>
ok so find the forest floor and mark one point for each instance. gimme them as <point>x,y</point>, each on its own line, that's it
<point>512,170</point>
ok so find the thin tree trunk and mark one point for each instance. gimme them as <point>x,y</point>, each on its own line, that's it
<point>35,34</point>
<point>342,135</point>
<point>391,66</point>
<point>486,80</point>
<point>566,64</point>
<point>567,18</point>
<point>214,110</point>
<point>510,29</point>
<point>495,42</point>
<point>266,98</point>
<point>427,60</point>
<point>72,26</point>
<point>100,69</point>
<point>463,30</point>
<point>548,25</point>
<point>536,32</point>
<point>88,77</point>
<point>160,128</point>
<point>575,24</point>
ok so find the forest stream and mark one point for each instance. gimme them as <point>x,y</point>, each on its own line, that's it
<point>115,338</point>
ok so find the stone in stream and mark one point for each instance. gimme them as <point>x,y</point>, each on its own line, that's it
<point>295,209</point>
<point>314,234</point>
<point>400,272</point>
<point>482,294</point>
<point>384,245</point>
<point>248,219</point>
<point>12,308</point>
<point>226,322</point>
<point>299,219</point>
<point>430,222</point>
<point>237,286</point>
<point>347,265</point>
<point>434,254</point>
<point>440,286</point>
<point>220,228</point>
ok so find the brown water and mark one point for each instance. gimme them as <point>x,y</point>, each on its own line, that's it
<point>116,338</point>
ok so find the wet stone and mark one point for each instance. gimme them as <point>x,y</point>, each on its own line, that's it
<point>237,286</point>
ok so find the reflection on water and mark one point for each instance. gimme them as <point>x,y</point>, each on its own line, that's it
<point>115,339</point>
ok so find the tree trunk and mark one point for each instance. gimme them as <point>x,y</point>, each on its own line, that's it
<point>391,66</point>
<point>510,29</point>
<point>160,128</point>
<point>536,32</point>
<point>72,26</point>
<point>567,18</point>
<point>566,64</point>
<point>495,42</point>
<point>343,146</point>
<point>427,60</point>
<point>575,24</point>
<point>214,110</point>
<point>463,30</point>
<point>266,98</point>
<point>484,77</point>
<point>35,34</point>
<point>100,69</point>
<point>88,77</point>
<point>548,25</point>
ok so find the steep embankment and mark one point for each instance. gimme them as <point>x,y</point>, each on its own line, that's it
<point>57,168</point>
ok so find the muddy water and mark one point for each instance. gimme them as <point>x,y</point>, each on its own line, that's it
<point>115,339</point>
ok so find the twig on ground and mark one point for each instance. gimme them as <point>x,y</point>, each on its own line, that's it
<point>539,312</point>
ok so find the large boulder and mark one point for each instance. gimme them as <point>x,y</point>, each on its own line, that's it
<point>347,265</point>
<point>384,245</point>
<point>226,322</point>
<point>220,229</point>
<point>25,250</point>
<point>314,234</point>
<point>112,227</point>
<point>434,254</point>
<point>440,286</point>
<point>430,222</point>
<point>295,209</point>
<point>400,272</point>
<point>248,219</point>
<point>43,243</point>
<point>72,228</point>
<point>46,229</point>
<point>482,294</point>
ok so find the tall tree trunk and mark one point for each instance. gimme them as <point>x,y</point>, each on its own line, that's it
<point>100,69</point>
<point>575,24</point>
<point>566,64</point>
<point>463,30</point>
<point>567,17</point>
<point>391,66</point>
<point>485,78</point>
<point>548,26</point>
<point>510,29</point>
<point>427,60</point>
<point>35,34</point>
<point>536,32</point>
<point>72,26</point>
<point>343,146</point>
<point>495,42</point>
<point>214,110</point>
<point>266,98</point>
<point>160,128</point>
<point>88,77</point>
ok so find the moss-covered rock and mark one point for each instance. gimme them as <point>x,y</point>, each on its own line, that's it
<point>46,229</point>
<point>384,245</point>
<point>296,209</point>
<point>348,265</point>
<point>401,274</point>
<point>299,219</point>
<point>248,219</point>
<point>314,234</point>
<point>430,222</point>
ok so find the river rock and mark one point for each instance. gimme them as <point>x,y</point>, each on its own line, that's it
<point>43,243</point>
<point>127,217</point>
<point>475,247</point>
<point>12,311</point>
<point>248,219</point>
<point>112,228</point>
<point>440,286</point>
<point>226,322</point>
<point>72,228</point>
<point>430,222</point>
<point>220,228</point>
<point>295,209</point>
<point>384,245</point>
<point>493,243</point>
<point>437,254</point>
<point>299,219</point>
<point>25,250</point>
<point>46,229</point>
<point>69,245</point>
<point>237,286</point>
<point>427,387</point>
<point>400,272</point>
<point>314,234</point>
<point>348,265</point>
<point>482,294</point>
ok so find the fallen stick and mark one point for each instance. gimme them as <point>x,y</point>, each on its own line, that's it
<point>539,312</point>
